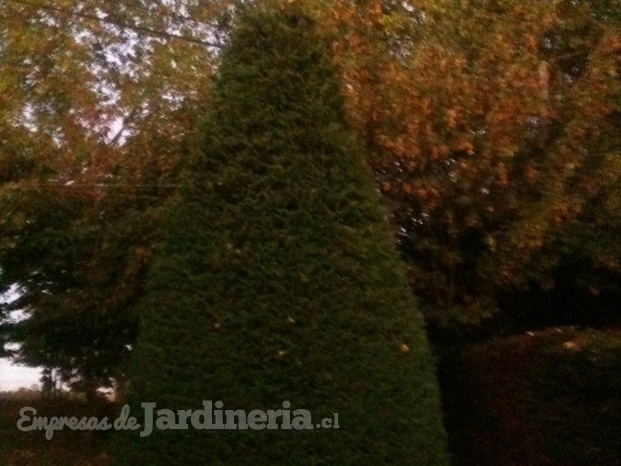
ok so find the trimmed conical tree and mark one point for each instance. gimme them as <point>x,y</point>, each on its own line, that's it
<point>278,285</point>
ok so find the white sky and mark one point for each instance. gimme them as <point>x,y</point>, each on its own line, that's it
<point>13,376</point>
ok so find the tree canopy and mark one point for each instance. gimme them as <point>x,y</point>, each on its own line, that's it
<point>494,137</point>
<point>491,126</point>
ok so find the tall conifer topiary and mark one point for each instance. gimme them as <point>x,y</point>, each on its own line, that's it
<point>278,281</point>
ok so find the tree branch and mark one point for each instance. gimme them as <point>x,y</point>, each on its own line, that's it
<point>116,22</point>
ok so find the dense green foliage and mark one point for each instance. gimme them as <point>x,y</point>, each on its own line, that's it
<point>91,124</point>
<point>492,128</point>
<point>547,397</point>
<point>74,252</point>
<point>278,279</point>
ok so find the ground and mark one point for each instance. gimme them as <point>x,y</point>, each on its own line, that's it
<point>548,398</point>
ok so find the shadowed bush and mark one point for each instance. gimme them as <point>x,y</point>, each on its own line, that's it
<point>278,279</point>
